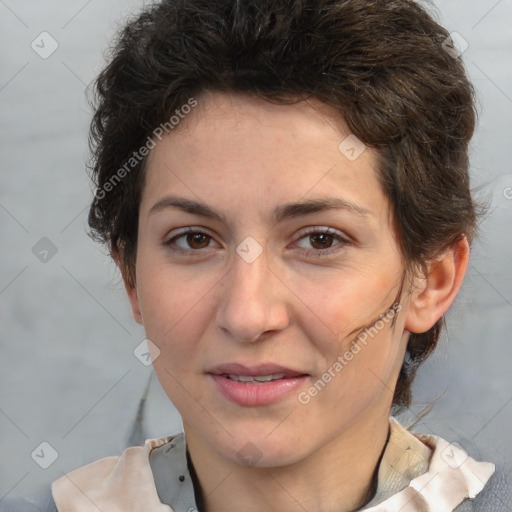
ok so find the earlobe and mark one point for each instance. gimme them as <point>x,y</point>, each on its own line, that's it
<point>434,292</point>
<point>130,287</point>
<point>134,303</point>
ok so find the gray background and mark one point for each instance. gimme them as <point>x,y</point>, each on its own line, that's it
<point>68,373</point>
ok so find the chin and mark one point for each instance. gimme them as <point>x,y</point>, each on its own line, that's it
<point>251,448</point>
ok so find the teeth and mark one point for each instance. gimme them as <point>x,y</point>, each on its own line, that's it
<point>263,378</point>
<point>266,378</point>
<point>245,378</point>
<point>258,378</point>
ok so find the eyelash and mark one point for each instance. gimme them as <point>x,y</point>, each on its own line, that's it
<point>311,252</point>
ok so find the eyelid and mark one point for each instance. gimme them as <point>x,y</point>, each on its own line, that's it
<point>322,229</point>
<point>186,230</point>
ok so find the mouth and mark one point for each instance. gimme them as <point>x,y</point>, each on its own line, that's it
<point>253,378</point>
<point>258,373</point>
<point>256,385</point>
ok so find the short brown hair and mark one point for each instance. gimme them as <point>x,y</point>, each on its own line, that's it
<point>381,64</point>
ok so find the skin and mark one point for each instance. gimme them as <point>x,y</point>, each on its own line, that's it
<point>291,306</point>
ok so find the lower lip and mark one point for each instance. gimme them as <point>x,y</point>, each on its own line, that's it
<point>254,394</point>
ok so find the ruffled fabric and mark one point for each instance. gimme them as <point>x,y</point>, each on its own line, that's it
<point>112,484</point>
<point>452,475</point>
<point>417,473</point>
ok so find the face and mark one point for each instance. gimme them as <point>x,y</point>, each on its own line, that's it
<point>263,251</point>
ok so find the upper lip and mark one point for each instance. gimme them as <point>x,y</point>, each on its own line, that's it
<point>254,371</point>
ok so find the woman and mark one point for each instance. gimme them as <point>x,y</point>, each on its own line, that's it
<point>284,187</point>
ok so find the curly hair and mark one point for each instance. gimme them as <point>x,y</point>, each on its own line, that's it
<point>382,64</point>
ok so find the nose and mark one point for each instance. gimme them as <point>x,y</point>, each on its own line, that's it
<point>252,300</point>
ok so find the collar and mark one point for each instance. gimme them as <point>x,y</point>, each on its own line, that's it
<point>417,473</point>
<point>425,473</point>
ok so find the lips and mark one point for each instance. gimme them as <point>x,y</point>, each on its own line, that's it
<point>255,371</point>
<point>256,385</point>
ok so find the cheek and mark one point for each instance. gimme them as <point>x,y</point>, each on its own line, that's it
<point>177,310</point>
<point>345,302</point>
<point>359,375</point>
<point>367,352</point>
<point>169,298</point>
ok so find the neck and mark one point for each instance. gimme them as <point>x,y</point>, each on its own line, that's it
<point>338,477</point>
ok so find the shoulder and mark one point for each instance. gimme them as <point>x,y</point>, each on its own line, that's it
<point>100,482</point>
<point>452,480</point>
<point>110,480</point>
<point>487,490</point>
<point>42,503</point>
<point>496,496</point>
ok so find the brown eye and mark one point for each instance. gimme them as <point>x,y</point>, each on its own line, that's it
<point>198,240</point>
<point>189,241</point>
<point>321,240</point>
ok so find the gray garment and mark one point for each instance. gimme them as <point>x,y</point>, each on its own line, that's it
<point>496,496</point>
<point>44,504</point>
<point>172,477</point>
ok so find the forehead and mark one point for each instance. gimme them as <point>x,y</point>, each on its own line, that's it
<point>240,152</point>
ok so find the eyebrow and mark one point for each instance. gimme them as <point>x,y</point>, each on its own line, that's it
<point>280,213</point>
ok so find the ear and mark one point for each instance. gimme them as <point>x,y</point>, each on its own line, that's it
<point>130,286</point>
<point>434,292</point>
